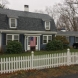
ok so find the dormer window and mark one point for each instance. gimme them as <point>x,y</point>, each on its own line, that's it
<point>47,25</point>
<point>13,22</point>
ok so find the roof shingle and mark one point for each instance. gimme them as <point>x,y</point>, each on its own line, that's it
<point>26,20</point>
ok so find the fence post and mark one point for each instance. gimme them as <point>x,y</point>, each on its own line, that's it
<point>32,56</point>
<point>68,57</point>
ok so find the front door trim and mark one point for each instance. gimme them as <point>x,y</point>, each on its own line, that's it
<point>26,42</point>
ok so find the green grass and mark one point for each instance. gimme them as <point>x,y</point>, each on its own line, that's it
<point>37,53</point>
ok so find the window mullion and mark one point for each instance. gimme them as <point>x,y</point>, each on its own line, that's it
<point>47,39</point>
<point>12,37</point>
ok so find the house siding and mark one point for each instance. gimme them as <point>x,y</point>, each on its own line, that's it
<point>53,36</point>
<point>33,24</point>
<point>4,42</point>
<point>71,40</point>
<point>42,46</point>
<point>21,39</point>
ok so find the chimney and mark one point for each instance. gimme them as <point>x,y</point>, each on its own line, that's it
<point>26,8</point>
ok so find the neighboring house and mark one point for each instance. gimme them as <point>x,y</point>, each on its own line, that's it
<point>72,36</point>
<point>33,30</point>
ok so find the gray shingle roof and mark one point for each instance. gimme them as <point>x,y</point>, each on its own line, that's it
<point>25,20</point>
<point>68,33</point>
<point>15,13</point>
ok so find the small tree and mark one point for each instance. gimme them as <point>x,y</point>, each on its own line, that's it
<point>64,40</point>
<point>14,47</point>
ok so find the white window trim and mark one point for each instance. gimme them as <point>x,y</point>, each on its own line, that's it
<point>12,37</point>
<point>15,22</point>
<point>47,26</point>
<point>47,38</point>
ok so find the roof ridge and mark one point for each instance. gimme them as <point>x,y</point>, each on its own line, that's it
<point>23,11</point>
<point>16,13</point>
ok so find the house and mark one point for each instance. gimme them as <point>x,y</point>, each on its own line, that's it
<point>72,36</point>
<point>33,30</point>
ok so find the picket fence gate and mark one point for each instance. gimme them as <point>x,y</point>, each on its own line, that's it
<point>12,64</point>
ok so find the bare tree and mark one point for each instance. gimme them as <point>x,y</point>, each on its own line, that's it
<point>48,10</point>
<point>3,3</point>
<point>65,14</point>
<point>68,15</point>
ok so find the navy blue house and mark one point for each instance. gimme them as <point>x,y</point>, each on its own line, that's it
<point>22,25</point>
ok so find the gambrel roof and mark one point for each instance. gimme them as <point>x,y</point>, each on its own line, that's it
<point>25,20</point>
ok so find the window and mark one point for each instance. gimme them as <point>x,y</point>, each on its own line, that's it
<point>12,37</point>
<point>13,22</point>
<point>44,39</point>
<point>76,39</point>
<point>47,25</point>
<point>47,38</point>
<point>9,38</point>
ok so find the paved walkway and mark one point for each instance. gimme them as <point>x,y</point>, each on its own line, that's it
<point>70,76</point>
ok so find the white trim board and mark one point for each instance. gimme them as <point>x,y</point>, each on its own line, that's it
<point>28,32</point>
<point>32,34</point>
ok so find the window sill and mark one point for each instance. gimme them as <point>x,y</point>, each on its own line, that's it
<point>44,43</point>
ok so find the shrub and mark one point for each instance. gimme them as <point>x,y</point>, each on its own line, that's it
<point>14,47</point>
<point>1,50</point>
<point>64,40</point>
<point>54,45</point>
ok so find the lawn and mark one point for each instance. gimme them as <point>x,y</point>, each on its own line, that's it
<point>37,53</point>
<point>44,73</point>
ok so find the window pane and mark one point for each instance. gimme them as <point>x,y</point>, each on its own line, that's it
<point>47,26</point>
<point>49,37</point>
<point>47,23</point>
<point>44,41</point>
<point>9,37</point>
<point>45,37</point>
<point>16,37</point>
<point>12,22</point>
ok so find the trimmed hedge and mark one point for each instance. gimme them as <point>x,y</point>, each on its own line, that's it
<point>54,45</point>
<point>14,47</point>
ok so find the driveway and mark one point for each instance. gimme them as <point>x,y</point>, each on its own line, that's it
<point>70,76</point>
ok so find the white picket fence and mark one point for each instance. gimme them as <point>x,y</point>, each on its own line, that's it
<point>12,64</point>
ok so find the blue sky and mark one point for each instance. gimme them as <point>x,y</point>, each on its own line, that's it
<point>33,4</point>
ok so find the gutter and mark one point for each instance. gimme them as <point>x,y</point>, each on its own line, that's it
<point>26,32</point>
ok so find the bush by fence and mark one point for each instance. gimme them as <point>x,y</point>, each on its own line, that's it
<point>54,45</point>
<point>14,47</point>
